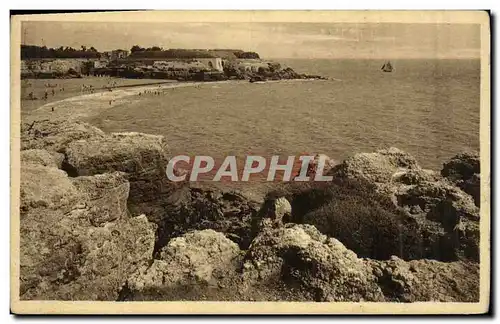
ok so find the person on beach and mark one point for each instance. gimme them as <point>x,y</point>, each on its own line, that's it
<point>53,92</point>
<point>46,95</point>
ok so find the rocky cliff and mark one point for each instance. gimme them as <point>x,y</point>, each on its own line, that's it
<point>100,221</point>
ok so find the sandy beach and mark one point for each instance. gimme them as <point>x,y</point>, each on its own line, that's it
<point>90,104</point>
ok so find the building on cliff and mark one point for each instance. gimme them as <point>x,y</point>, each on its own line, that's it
<point>34,68</point>
<point>213,63</point>
<point>116,54</point>
<point>177,65</point>
<point>209,64</point>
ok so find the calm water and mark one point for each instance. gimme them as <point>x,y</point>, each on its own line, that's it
<point>428,108</point>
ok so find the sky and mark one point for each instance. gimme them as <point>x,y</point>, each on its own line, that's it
<point>270,40</point>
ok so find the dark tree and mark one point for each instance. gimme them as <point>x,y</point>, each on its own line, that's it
<point>247,55</point>
<point>136,48</point>
<point>37,52</point>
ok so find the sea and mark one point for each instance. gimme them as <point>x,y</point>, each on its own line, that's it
<point>429,108</point>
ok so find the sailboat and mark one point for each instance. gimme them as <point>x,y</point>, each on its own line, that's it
<point>387,67</point>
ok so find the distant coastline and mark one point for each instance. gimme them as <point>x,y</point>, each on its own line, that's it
<point>152,63</point>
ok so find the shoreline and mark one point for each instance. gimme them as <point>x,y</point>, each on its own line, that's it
<point>90,104</point>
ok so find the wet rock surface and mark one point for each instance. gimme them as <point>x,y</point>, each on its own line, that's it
<point>383,230</point>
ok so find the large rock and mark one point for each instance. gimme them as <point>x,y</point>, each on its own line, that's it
<point>42,157</point>
<point>86,151</point>
<point>194,258</point>
<point>436,204</point>
<point>301,255</point>
<point>104,196</point>
<point>464,171</point>
<point>440,201</point>
<point>287,73</point>
<point>274,212</point>
<point>56,134</point>
<point>46,187</point>
<point>378,167</point>
<point>462,166</point>
<point>142,157</point>
<point>278,209</point>
<point>446,216</point>
<point>324,270</point>
<point>472,186</point>
<point>134,153</point>
<point>198,208</point>
<point>415,176</point>
<point>427,280</point>
<point>62,257</point>
<point>99,198</point>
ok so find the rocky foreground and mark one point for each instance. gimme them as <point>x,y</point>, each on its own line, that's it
<point>100,221</point>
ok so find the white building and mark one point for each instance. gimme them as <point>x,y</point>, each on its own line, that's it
<point>116,54</point>
<point>212,63</point>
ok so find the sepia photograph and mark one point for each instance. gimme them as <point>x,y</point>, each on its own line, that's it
<point>328,162</point>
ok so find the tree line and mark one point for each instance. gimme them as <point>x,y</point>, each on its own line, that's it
<point>158,52</point>
<point>33,51</point>
<point>180,53</point>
